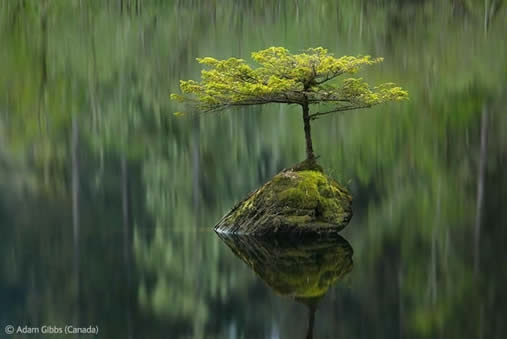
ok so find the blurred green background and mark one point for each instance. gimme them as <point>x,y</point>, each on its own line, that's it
<point>107,200</point>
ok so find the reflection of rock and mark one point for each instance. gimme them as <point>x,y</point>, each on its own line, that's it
<point>299,200</point>
<point>303,269</point>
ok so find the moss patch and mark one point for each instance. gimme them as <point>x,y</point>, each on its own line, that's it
<point>292,201</point>
<point>308,165</point>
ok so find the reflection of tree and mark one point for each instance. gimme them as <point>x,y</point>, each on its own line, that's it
<point>299,268</point>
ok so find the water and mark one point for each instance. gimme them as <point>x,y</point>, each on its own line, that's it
<point>107,200</point>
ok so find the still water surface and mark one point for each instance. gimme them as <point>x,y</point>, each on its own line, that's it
<point>107,200</point>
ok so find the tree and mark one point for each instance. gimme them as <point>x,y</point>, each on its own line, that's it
<point>301,79</point>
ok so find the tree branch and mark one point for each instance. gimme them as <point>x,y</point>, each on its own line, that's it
<point>246,103</point>
<point>329,77</point>
<point>339,109</point>
<point>318,100</point>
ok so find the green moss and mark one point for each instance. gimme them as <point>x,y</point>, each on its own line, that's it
<point>304,198</point>
<point>298,219</point>
<point>299,198</point>
<point>311,190</point>
<point>308,165</point>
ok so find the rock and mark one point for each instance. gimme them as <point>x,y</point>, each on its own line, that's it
<point>300,200</point>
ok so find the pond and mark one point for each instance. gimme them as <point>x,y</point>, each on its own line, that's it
<point>108,200</point>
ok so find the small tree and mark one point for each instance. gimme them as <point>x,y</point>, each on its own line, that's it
<point>303,79</point>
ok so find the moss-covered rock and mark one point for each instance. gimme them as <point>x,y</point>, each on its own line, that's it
<point>300,200</point>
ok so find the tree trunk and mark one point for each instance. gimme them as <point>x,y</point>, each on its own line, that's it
<point>308,132</point>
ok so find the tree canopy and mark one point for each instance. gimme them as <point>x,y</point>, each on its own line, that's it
<point>283,77</point>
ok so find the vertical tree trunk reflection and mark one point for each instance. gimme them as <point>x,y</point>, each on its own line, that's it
<point>196,165</point>
<point>311,321</point>
<point>480,186</point>
<point>44,65</point>
<point>126,238</point>
<point>75,213</point>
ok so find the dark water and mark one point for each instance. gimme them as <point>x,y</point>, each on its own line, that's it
<point>107,200</point>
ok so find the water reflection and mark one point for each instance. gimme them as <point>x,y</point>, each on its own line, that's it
<point>428,178</point>
<point>303,269</point>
